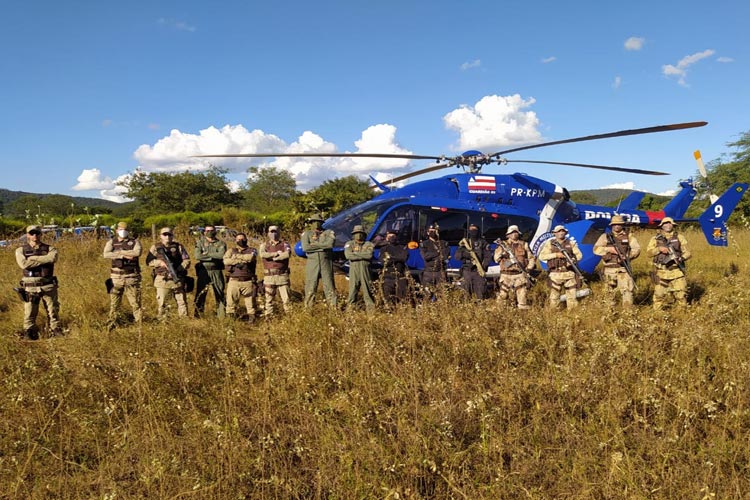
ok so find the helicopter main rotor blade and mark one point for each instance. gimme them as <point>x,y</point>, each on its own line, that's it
<point>421,171</point>
<point>585,165</point>
<point>621,133</point>
<point>321,155</point>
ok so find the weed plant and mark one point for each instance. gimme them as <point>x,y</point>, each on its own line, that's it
<point>451,399</point>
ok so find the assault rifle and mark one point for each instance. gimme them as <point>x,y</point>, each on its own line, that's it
<point>467,245</point>
<point>623,259</point>
<point>514,261</point>
<point>571,261</point>
<point>672,253</point>
<point>171,271</point>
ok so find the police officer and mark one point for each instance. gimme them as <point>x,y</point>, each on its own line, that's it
<point>617,248</point>
<point>209,267</point>
<point>435,254</point>
<point>393,259</point>
<point>240,262</point>
<point>161,256</point>
<point>669,251</point>
<point>359,253</point>
<point>125,274</point>
<point>475,254</point>
<point>38,283</point>
<point>516,260</point>
<point>318,246</point>
<point>275,254</point>
<point>561,273</point>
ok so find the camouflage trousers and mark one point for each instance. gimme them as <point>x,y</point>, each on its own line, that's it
<point>559,282</point>
<point>669,283</point>
<point>513,287</point>
<point>47,295</point>
<point>241,290</point>
<point>130,286</point>
<point>617,279</point>
<point>166,290</point>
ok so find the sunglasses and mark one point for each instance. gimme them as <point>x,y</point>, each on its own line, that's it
<point>35,232</point>
<point>166,234</point>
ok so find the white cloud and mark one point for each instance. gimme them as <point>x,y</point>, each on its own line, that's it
<point>620,185</point>
<point>680,70</point>
<point>724,59</point>
<point>471,64</point>
<point>176,24</point>
<point>634,43</point>
<point>91,179</point>
<point>494,122</point>
<point>550,59</point>
<point>618,81</point>
<point>669,192</point>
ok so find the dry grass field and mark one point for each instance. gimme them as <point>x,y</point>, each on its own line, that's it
<point>448,400</point>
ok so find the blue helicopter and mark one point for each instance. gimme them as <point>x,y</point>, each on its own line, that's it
<point>495,202</point>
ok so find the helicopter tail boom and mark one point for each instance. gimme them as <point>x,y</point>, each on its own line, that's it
<point>713,220</point>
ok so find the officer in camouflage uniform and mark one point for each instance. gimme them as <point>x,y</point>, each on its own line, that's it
<point>240,263</point>
<point>209,267</point>
<point>167,285</point>
<point>38,284</point>
<point>359,253</point>
<point>435,254</point>
<point>472,271</point>
<point>669,251</point>
<point>514,283</point>
<point>561,273</point>
<point>125,275</point>
<point>318,246</point>
<point>275,254</point>
<point>614,248</point>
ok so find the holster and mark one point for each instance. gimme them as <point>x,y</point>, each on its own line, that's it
<point>21,293</point>
<point>189,283</point>
<point>109,285</point>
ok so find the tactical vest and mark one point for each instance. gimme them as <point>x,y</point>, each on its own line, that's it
<point>436,265</point>
<point>280,266</point>
<point>244,271</point>
<point>42,270</point>
<point>664,259</point>
<point>173,253</point>
<point>622,243</point>
<point>562,263</point>
<point>519,252</point>
<point>393,267</point>
<point>479,247</point>
<point>125,266</point>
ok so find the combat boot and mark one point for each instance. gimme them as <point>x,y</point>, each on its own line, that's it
<point>30,334</point>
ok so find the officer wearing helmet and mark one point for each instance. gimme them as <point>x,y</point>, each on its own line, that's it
<point>359,253</point>
<point>617,248</point>
<point>562,276</point>
<point>516,260</point>
<point>669,251</point>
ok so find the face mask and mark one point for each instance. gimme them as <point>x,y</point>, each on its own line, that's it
<point>274,236</point>
<point>211,234</point>
<point>318,225</point>
<point>122,233</point>
<point>473,234</point>
<point>391,238</point>
<point>359,237</point>
<point>432,234</point>
<point>242,243</point>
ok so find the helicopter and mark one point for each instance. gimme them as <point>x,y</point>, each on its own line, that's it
<point>493,202</point>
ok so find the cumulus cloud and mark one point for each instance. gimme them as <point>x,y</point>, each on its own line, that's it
<point>91,179</point>
<point>494,122</point>
<point>620,185</point>
<point>550,59</point>
<point>471,64</point>
<point>680,69</point>
<point>618,81</point>
<point>724,59</point>
<point>668,192</point>
<point>634,43</point>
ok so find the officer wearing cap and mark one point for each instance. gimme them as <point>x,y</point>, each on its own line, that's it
<point>359,253</point>
<point>475,254</point>
<point>125,273</point>
<point>516,260</point>
<point>669,251</point>
<point>161,256</point>
<point>275,254</point>
<point>209,269</point>
<point>617,248</point>
<point>38,282</point>
<point>243,282</point>
<point>393,257</point>
<point>435,254</point>
<point>562,277</point>
<point>318,246</point>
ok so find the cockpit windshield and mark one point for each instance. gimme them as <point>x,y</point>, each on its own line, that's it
<point>366,214</point>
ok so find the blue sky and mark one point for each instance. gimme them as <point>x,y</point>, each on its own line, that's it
<point>93,90</point>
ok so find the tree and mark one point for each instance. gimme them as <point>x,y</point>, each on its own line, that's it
<point>269,190</point>
<point>162,193</point>
<point>722,174</point>
<point>336,195</point>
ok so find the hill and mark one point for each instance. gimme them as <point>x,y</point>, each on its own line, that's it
<point>611,197</point>
<point>8,196</point>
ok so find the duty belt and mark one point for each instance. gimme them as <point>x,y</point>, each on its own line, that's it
<point>38,281</point>
<point>252,278</point>
<point>275,272</point>
<point>510,271</point>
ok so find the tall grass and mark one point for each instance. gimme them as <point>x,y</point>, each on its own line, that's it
<point>449,400</point>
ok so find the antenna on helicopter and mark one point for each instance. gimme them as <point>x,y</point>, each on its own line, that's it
<point>704,174</point>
